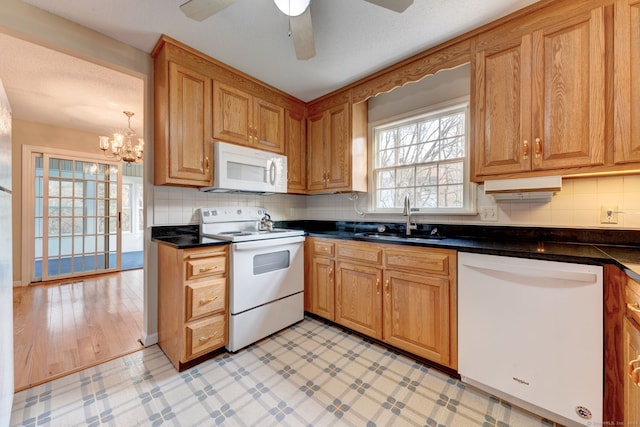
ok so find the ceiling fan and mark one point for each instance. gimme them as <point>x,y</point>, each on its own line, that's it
<point>299,13</point>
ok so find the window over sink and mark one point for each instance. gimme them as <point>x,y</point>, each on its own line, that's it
<point>424,155</point>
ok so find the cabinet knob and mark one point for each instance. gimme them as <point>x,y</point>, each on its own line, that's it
<point>525,150</point>
<point>538,148</point>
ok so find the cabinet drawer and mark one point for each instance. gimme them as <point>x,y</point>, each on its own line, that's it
<point>205,335</point>
<point>323,247</point>
<point>434,261</point>
<point>360,252</point>
<point>204,298</point>
<point>203,267</point>
<point>632,299</point>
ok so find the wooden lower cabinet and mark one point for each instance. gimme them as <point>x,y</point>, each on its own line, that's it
<point>320,277</point>
<point>631,352</point>
<point>192,302</point>
<point>416,314</point>
<point>405,296</point>
<point>631,382</point>
<point>358,298</point>
<point>322,290</point>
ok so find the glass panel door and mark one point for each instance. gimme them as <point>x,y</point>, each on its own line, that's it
<point>76,217</point>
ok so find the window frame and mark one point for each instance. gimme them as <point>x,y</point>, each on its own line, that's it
<point>469,188</point>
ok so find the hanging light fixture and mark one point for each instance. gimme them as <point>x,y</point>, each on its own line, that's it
<point>292,7</point>
<point>121,146</point>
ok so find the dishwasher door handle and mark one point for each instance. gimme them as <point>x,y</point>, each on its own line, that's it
<point>519,270</point>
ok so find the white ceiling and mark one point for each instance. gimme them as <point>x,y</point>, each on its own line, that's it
<point>353,39</point>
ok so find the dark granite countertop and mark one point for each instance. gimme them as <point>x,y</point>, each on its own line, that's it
<point>183,237</point>
<point>583,246</point>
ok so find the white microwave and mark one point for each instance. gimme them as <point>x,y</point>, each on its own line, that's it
<point>238,168</point>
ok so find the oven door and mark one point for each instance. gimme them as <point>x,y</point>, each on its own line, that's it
<point>265,270</point>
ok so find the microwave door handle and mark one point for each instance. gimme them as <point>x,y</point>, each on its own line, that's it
<point>272,173</point>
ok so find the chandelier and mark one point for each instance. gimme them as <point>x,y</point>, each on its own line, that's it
<point>121,146</point>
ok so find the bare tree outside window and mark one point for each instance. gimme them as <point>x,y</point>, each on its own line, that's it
<point>423,157</point>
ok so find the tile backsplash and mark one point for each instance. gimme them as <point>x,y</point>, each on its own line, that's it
<point>577,205</point>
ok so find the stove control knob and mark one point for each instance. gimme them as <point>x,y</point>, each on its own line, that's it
<point>239,211</point>
<point>214,212</point>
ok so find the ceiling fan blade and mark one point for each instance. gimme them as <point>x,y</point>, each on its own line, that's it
<point>302,34</point>
<point>202,9</point>
<point>395,5</point>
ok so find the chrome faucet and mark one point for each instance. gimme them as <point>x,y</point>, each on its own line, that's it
<point>407,212</point>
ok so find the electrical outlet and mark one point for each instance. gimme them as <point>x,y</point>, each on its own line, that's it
<point>488,213</point>
<point>608,214</point>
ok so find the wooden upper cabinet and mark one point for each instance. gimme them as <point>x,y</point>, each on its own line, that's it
<point>540,98</point>
<point>627,81</point>
<point>232,119</point>
<point>503,108</point>
<point>336,148</point>
<point>268,125</point>
<point>295,138</point>
<point>241,118</point>
<point>182,125</point>
<point>316,164</point>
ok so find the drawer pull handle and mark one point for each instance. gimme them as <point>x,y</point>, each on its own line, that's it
<point>386,286</point>
<point>204,339</point>
<point>204,301</point>
<point>205,269</point>
<point>635,376</point>
<point>630,365</point>
<point>635,307</point>
<point>378,286</point>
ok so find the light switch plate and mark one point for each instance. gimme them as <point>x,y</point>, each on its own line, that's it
<point>488,213</point>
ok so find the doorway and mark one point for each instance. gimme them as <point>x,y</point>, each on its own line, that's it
<point>76,217</point>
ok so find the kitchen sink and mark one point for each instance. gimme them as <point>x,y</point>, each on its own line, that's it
<point>398,237</point>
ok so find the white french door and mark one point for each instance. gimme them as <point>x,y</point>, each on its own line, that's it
<point>76,216</point>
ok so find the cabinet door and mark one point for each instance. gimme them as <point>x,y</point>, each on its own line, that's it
<point>503,108</point>
<point>631,388</point>
<point>268,126</point>
<point>569,93</point>
<point>189,142</point>
<point>296,142</point>
<point>359,298</point>
<point>322,287</point>
<point>416,314</point>
<point>338,143</point>
<point>316,171</point>
<point>232,114</point>
<point>627,81</point>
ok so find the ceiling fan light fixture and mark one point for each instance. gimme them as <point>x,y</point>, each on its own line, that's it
<point>292,7</point>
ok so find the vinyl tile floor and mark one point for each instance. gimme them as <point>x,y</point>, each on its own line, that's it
<point>311,374</point>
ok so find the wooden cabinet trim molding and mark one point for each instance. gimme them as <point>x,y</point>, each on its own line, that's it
<point>219,71</point>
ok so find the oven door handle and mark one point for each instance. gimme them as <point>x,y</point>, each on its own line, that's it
<point>266,243</point>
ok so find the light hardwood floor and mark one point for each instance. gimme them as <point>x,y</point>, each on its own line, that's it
<point>66,327</point>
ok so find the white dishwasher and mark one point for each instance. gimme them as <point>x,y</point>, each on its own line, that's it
<point>531,332</point>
